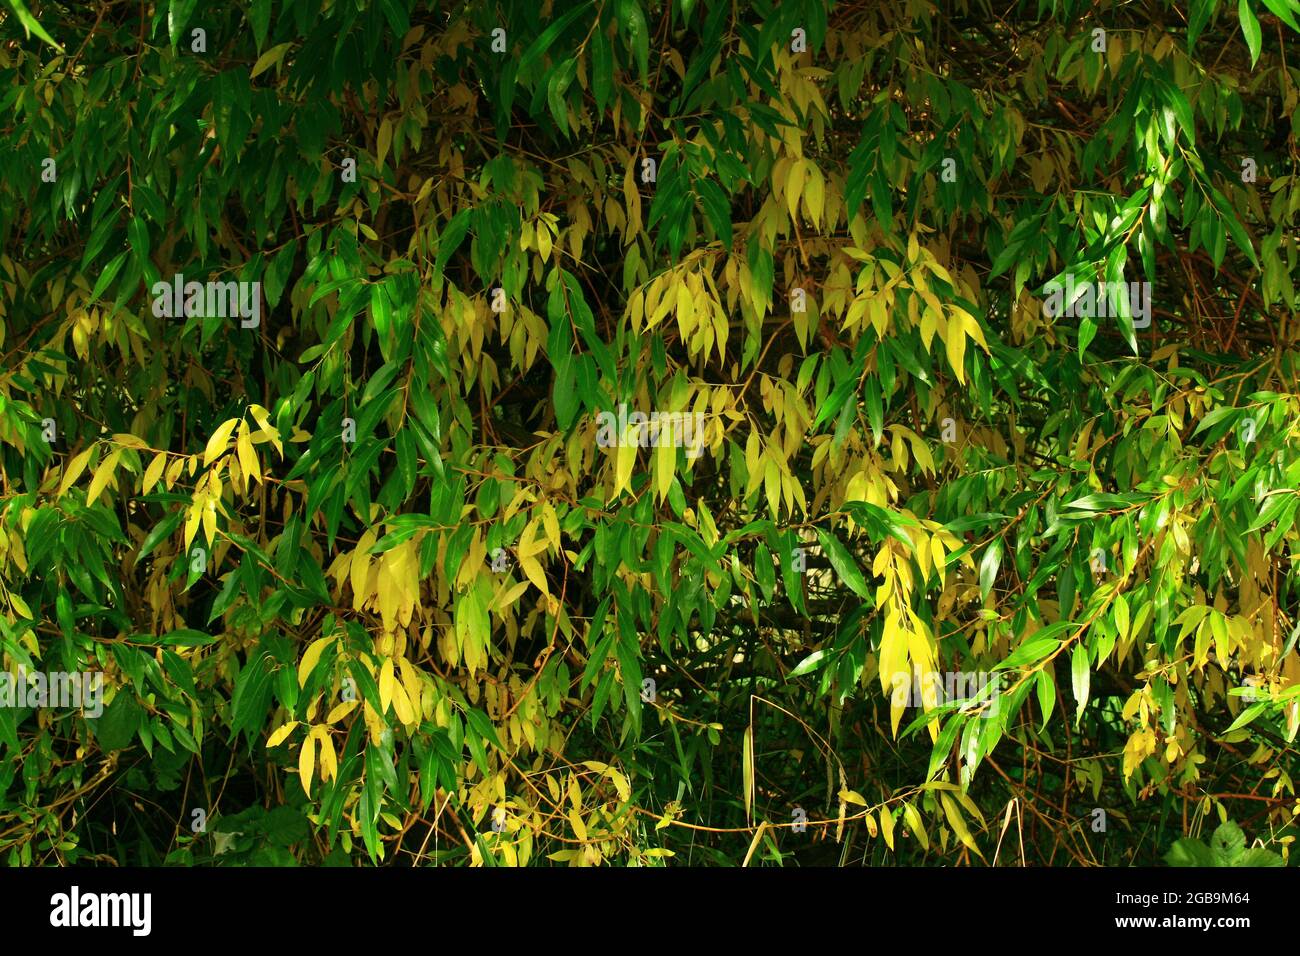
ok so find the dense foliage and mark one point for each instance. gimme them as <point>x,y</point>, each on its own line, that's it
<point>367,547</point>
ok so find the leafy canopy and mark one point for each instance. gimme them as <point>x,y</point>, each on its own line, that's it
<point>367,582</point>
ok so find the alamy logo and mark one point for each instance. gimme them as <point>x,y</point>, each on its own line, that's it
<point>678,429</point>
<point>59,689</point>
<point>103,909</point>
<point>1095,300</point>
<point>178,298</point>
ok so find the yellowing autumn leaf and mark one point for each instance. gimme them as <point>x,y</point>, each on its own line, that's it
<point>329,761</point>
<point>814,193</point>
<point>192,518</point>
<point>263,419</point>
<point>247,457</point>
<point>153,473</point>
<point>794,186</point>
<point>20,606</point>
<point>386,684</point>
<point>310,658</point>
<point>281,734</point>
<point>102,475</point>
<point>73,470</point>
<point>307,762</point>
<point>340,711</point>
<point>956,343</point>
<point>533,569</point>
<point>217,443</point>
<point>624,460</point>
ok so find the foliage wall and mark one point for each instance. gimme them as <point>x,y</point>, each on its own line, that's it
<point>375,570</point>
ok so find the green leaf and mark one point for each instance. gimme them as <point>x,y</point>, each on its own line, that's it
<point>1284,12</point>
<point>1247,715</point>
<point>1079,679</point>
<point>537,49</point>
<point>632,23</point>
<point>1046,688</point>
<point>989,567</point>
<point>108,275</point>
<point>602,68</point>
<point>843,563</point>
<point>1250,29</point>
<point>178,17</point>
<point>31,25</point>
<point>1200,13</point>
<point>1032,650</point>
<point>812,662</point>
<point>117,727</point>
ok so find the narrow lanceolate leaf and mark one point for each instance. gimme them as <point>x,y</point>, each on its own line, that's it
<point>103,474</point>
<point>73,470</point>
<point>843,563</point>
<point>747,772</point>
<point>1079,676</point>
<point>219,440</point>
<point>1250,29</point>
<point>307,762</point>
<point>310,658</point>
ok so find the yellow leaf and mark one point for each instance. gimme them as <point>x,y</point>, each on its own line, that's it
<point>210,519</point>
<point>307,762</point>
<point>280,734</point>
<point>940,559</point>
<point>154,472</point>
<point>543,241</point>
<point>102,474</point>
<point>74,469</point>
<point>971,326</point>
<point>887,826</point>
<point>814,194</point>
<point>309,659</point>
<point>551,522</point>
<point>956,343</point>
<point>893,654</point>
<point>402,702</point>
<point>665,466</point>
<point>268,59</point>
<point>217,443</point>
<point>794,186</point>
<point>20,606</point>
<point>747,770</point>
<point>507,596</point>
<point>247,457</point>
<point>192,520</point>
<point>129,441</point>
<point>359,569</point>
<point>579,828</point>
<point>913,819</point>
<point>385,140</point>
<point>529,544</point>
<point>174,471</point>
<point>958,824</point>
<point>387,681</point>
<point>533,569</point>
<point>329,761</point>
<point>411,682</point>
<point>620,784</point>
<point>624,460</point>
<point>340,711</point>
<point>263,419</point>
